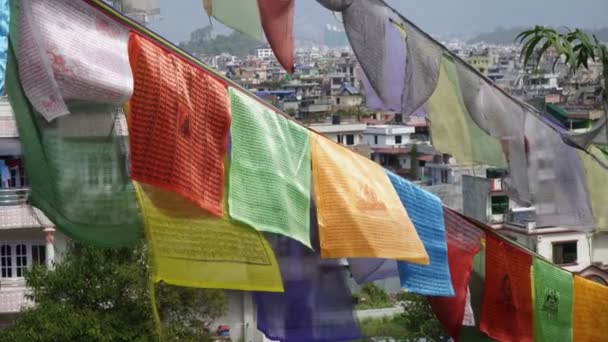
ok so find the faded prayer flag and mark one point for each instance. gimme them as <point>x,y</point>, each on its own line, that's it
<point>240,15</point>
<point>179,122</point>
<point>277,21</point>
<point>191,248</point>
<point>269,183</point>
<point>596,178</point>
<point>507,313</point>
<point>590,313</point>
<point>426,212</point>
<point>464,242</point>
<point>71,51</point>
<point>359,212</point>
<point>77,169</point>
<point>452,129</point>
<point>552,302</point>
<point>317,304</point>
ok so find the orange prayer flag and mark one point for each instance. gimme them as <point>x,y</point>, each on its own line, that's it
<point>590,310</point>
<point>359,211</point>
<point>277,22</point>
<point>179,123</point>
<point>507,312</point>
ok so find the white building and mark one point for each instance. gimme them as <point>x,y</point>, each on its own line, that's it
<point>348,134</point>
<point>264,52</point>
<point>388,135</point>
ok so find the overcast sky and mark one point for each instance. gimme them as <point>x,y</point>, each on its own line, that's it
<point>444,17</point>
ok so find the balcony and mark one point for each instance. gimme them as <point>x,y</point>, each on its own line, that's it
<point>14,196</point>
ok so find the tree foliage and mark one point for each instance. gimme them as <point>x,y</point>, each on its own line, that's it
<point>99,294</point>
<point>419,320</point>
<point>202,42</point>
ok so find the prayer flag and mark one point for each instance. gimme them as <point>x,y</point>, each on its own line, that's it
<point>590,313</point>
<point>596,178</point>
<point>269,184</point>
<point>360,214</point>
<point>179,122</point>
<point>507,313</point>
<point>4,22</point>
<point>552,302</point>
<point>71,51</point>
<point>426,212</point>
<point>240,15</point>
<point>191,248</point>
<point>277,22</point>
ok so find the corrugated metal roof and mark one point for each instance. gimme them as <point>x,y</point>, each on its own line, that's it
<point>23,216</point>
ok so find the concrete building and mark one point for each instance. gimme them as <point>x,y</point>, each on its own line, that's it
<point>348,134</point>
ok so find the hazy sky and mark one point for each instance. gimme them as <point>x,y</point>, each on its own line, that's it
<point>445,17</point>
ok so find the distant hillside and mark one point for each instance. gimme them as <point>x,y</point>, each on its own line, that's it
<point>503,35</point>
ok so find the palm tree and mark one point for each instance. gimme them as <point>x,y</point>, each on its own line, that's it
<point>576,48</point>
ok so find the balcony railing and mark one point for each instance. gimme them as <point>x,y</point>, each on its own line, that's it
<point>14,196</point>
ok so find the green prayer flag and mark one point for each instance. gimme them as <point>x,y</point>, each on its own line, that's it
<point>552,302</point>
<point>241,15</point>
<point>76,166</point>
<point>452,128</point>
<point>270,172</point>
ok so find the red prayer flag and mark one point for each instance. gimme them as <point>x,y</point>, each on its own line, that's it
<point>464,242</point>
<point>277,22</point>
<point>179,122</point>
<point>507,312</point>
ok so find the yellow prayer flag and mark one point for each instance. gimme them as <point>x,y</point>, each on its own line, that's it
<point>590,313</point>
<point>189,247</point>
<point>359,211</point>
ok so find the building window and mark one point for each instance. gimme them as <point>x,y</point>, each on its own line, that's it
<point>21,259</point>
<point>6,257</point>
<point>565,252</point>
<point>444,176</point>
<point>500,205</point>
<point>39,255</point>
<point>375,140</point>
<point>339,138</point>
<point>398,139</point>
<point>350,139</point>
<point>337,101</point>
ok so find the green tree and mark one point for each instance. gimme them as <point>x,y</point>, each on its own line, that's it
<point>419,320</point>
<point>99,294</point>
<point>202,42</point>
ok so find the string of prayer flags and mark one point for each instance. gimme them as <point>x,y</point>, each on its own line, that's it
<point>358,208</point>
<point>179,123</point>
<point>422,71</point>
<point>393,73</point>
<point>4,26</point>
<point>552,302</point>
<point>191,248</point>
<point>557,179</point>
<point>464,242</point>
<point>79,181</point>
<point>277,21</point>
<point>453,129</point>
<point>69,51</point>
<point>589,312</point>
<point>426,212</point>
<point>317,303</point>
<point>595,177</point>
<point>269,183</point>
<point>245,20</point>
<point>366,23</point>
<point>507,313</point>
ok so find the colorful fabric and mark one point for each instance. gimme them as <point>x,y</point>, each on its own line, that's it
<point>552,302</point>
<point>507,313</point>
<point>317,303</point>
<point>355,201</point>
<point>556,179</point>
<point>590,314</point>
<point>394,57</point>
<point>365,23</point>
<point>70,51</point>
<point>366,270</point>
<point>179,124</point>
<point>4,20</point>
<point>595,177</point>
<point>452,129</point>
<point>269,183</point>
<point>277,22</point>
<point>464,242</point>
<point>80,182</point>
<point>426,212</point>
<point>190,248</point>
<point>240,15</point>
